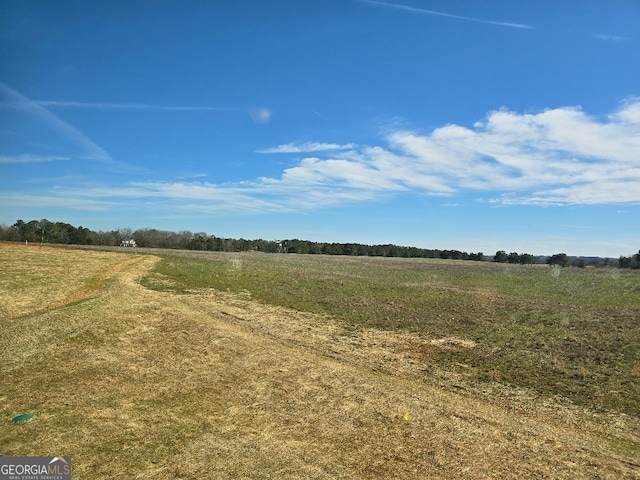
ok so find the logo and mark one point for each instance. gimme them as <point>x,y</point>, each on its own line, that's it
<point>35,468</point>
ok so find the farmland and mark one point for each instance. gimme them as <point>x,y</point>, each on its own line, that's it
<point>247,365</point>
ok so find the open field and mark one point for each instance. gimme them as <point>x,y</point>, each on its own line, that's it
<point>573,332</point>
<point>211,365</point>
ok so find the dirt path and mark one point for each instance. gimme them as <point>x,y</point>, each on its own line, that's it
<point>135,383</point>
<point>36,278</point>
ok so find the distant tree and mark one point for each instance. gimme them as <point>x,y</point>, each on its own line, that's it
<point>143,237</point>
<point>501,257</point>
<point>595,262</point>
<point>579,262</point>
<point>315,248</point>
<point>559,259</point>
<point>293,246</point>
<point>624,262</point>
<point>32,232</point>
<point>20,227</point>
<point>527,259</point>
<point>102,238</point>
<point>60,232</point>
<point>9,234</point>
<point>391,251</point>
<point>198,242</point>
<point>513,257</point>
<point>80,236</point>
<point>326,249</point>
<point>478,257</point>
<point>211,243</point>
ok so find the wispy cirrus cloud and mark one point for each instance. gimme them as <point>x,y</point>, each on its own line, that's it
<point>26,158</point>
<point>609,38</point>
<point>86,148</point>
<point>258,115</point>
<point>89,149</point>
<point>307,147</point>
<point>424,11</point>
<point>57,200</point>
<point>130,106</point>
<point>182,196</point>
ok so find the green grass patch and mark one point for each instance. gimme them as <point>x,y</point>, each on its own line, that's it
<point>569,332</point>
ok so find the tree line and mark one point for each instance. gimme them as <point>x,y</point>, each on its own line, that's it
<point>44,231</point>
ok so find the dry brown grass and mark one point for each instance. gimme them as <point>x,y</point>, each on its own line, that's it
<point>38,277</point>
<point>134,383</point>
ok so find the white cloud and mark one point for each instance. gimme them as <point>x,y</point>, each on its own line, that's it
<point>609,38</point>
<point>55,200</point>
<point>184,196</point>
<point>629,113</point>
<point>25,158</point>
<point>350,174</point>
<point>556,156</point>
<point>192,175</point>
<point>560,156</point>
<point>307,147</point>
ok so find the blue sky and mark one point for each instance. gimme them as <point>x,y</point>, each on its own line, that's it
<point>470,125</point>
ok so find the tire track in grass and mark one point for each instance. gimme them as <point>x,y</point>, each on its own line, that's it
<point>40,253</point>
<point>97,284</point>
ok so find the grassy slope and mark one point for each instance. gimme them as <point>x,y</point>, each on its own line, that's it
<point>38,277</point>
<point>137,383</point>
<point>568,332</point>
